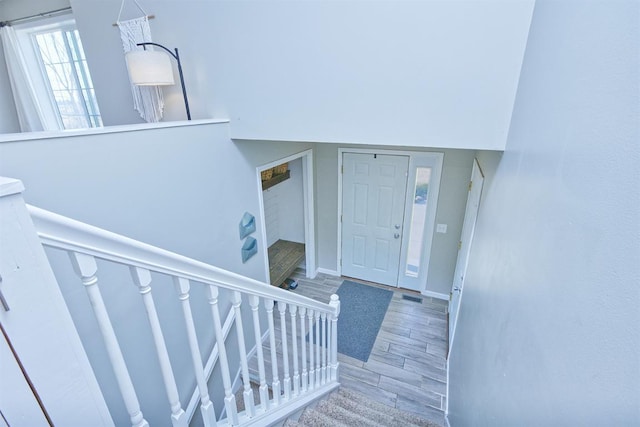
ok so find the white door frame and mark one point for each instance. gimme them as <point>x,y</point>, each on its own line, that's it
<point>452,334</point>
<point>309,215</point>
<point>416,159</point>
<point>466,239</point>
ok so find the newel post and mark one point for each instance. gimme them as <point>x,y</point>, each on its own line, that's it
<point>35,319</point>
<point>335,304</point>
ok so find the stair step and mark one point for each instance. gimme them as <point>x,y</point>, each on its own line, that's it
<point>350,409</point>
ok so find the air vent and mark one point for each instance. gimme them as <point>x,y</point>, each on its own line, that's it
<point>414,299</point>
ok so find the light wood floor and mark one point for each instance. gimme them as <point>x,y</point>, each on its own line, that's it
<point>407,366</point>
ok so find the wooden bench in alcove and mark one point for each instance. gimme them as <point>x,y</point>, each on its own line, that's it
<point>284,258</point>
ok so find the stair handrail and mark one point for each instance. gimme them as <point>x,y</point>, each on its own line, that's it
<point>61,232</point>
<point>85,243</point>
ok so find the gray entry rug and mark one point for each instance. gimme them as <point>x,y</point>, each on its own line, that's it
<point>362,309</point>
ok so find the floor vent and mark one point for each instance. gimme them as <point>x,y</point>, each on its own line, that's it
<point>414,299</point>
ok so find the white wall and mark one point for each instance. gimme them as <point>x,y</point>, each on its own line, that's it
<point>456,171</point>
<point>284,207</point>
<point>549,326</point>
<point>173,178</point>
<point>14,9</point>
<point>326,201</point>
<point>385,72</point>
<point>271,219</point>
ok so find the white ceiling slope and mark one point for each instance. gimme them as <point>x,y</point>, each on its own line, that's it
<point>412,73</point>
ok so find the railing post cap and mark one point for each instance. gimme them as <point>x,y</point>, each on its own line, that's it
<point>10,186</point>
<point>335,303</point>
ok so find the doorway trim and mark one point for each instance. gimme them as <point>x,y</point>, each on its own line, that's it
<point>476,211</point>
<point>466,241</point>
<point>309,212</point>
<point>416,159</point>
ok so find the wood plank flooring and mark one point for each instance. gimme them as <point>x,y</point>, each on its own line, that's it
<point>407,366</point>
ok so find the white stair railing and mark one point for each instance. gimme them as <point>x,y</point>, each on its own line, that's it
<point>282,308</point>
<point>208,416</point>
<point>246,381</point>
<point>294,344</point>
<point>316,337</point>
<point>254,301</point>
<point>142,279</point>
<point>303,347</point>
<point>86,267</point>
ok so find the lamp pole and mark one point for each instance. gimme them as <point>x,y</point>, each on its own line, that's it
<point>176,56</point>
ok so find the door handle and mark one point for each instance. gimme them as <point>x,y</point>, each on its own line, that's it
<point>396,236</point>
<point>397,226</point>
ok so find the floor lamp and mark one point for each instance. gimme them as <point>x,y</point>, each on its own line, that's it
<point>153,68</point>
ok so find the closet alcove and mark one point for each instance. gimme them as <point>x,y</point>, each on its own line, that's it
<point>283,198</point>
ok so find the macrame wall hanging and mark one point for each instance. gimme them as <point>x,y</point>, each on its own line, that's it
<point>147,100</point>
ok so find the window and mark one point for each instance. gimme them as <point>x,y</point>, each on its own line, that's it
<point>57,65</point>
<point>418,223</point>
<point>67,76</point>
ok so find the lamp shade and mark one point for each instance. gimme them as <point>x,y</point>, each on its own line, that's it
<point>149,68</point>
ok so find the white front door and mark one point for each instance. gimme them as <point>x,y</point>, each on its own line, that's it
<point>373,200</point>
<point>468,227</point>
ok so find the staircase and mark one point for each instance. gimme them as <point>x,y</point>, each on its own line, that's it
<point>183,340</point>
<point>346,408</point>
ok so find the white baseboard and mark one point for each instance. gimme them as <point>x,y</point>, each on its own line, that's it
<point>446,407</point>
<point>327,271</point>
<point>436,295</point>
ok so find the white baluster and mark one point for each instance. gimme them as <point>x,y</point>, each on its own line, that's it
<point>318,326</point>
<point>303,346</point>
<point>142,279</point>
<point>275,381</point>
<point>312,366</point>
<point>293,310</point>
<point>323,376</point>
<point>335,304</point>
<point>229,397</point>
<point>85,266</point>
<point>247,394</point>
<point>329,346</point>
<point>206,406</point>
<point>264,389</point>
<point>282,307</point>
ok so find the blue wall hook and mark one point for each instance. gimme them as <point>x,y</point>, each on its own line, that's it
<point>247,225</point>
<point>249,249</point>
